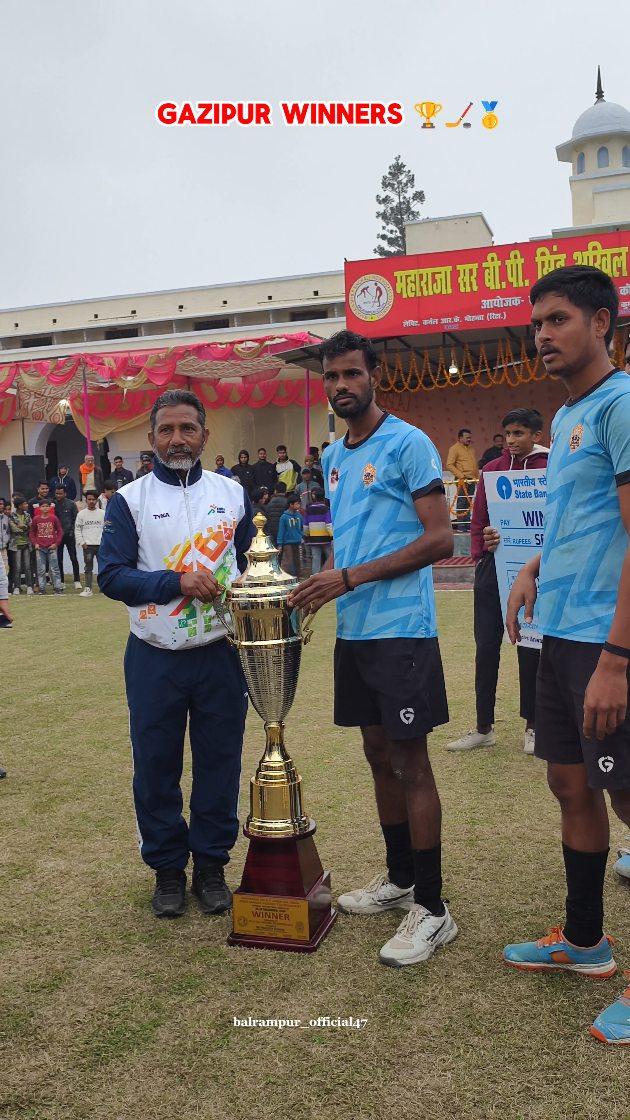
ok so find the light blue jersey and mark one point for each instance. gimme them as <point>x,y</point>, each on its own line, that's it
<point>372,487</point>
<point>585,540</point>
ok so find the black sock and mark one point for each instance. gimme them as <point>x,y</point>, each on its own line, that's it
<point>399,858</point>
<point>585,896</point>
<point>427,863</point>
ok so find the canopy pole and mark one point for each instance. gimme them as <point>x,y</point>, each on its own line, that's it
<point>86,414</point>
<point>307,413</point>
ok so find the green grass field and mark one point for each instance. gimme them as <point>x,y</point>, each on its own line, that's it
<point>107,1013</point>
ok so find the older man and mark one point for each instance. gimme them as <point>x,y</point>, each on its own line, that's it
<point>91,475</point>
<point>171,541</point>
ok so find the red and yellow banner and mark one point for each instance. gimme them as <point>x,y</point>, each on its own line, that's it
<point>471,289</point>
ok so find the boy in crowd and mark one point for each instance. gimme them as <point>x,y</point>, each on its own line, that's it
<point>264,471</point>
<point>318,530</point>
<point>89,530</point>
<point>276,507</point>
<point>5,537</point>
<point>45,535</point>
<point>66,511</point>
<point>109,489</point>
<point>219,467</point>
<point>287,470</point>
<point>260,500</point>
<point>304,489</point>
<point>19,544</point>
<point>43,491</point>
<point>63,479</point>
<point>523,429</point>
<point>290,535</point>
<point>120,475</point>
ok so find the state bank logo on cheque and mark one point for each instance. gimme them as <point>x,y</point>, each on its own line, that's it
<point>371,297</point>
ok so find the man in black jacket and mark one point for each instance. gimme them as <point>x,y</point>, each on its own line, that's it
<point>67,511</point>
<point>264,471</point>
<point>244,473</point>
<point>275,508</point>
<point>120,474</point>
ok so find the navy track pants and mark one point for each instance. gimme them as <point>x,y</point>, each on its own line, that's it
<point>166,689</point>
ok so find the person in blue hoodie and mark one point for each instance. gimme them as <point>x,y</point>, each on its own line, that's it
<point>290,535</point>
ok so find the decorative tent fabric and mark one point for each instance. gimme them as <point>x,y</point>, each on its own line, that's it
<point>123,386</point>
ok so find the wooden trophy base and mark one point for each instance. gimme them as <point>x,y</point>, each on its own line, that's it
<point>284,900</point>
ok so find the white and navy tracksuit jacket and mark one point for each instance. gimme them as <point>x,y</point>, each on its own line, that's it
<point>178,666</point>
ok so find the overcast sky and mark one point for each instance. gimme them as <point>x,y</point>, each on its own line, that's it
<point>97,198</point>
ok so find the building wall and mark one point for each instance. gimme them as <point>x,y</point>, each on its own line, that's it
<point>600,194</point>
<point>441,413</point>
<point>440,235</point>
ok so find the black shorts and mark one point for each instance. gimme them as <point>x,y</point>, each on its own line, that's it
<point>394,683</point>
<point>563,674</point>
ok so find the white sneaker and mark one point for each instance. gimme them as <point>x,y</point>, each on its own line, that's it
<point>86,593</point>
<point>29,591</point>
<point>529,741</point>
<point>77,586</point>
<point>471,740</point>
<point>377,896</point>
<point>16,591</point>
<point>418,936</point>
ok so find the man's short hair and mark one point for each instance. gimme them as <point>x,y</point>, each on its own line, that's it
<point>317,493</point>
<point>173,397</point>
<point>343,342</point>
<point>281,488</point>
<point>59,487</point>
<point>292,497</point>
<point>307,470</point>
<point>259,493</point>
<point>90,493</point>
<point>498,435</point>
<point>43,483</point>
<point>585,287</point>
<point>262,449</point>
<point>44,502</point>
<point>146,457</point>
<point>117,457</point>
<point>463,432</point>
<point>281,447</point>
<point>527,417</point>
<point>110,484</point>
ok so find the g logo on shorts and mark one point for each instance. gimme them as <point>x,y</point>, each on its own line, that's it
<point>407,715</point>
<point>606,763</point>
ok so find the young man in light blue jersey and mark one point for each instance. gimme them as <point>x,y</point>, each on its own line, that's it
<point>390,523</point>
<point>582,724</point>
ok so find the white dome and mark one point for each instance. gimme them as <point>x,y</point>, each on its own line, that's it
<point>601,119</point>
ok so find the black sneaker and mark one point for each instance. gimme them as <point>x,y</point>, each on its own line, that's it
<point>169,897</point>
<point>3,773</point>
<point>213,893</point>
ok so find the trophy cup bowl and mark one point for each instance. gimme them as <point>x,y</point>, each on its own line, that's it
<point>428,109</point>
<point>284,901</point>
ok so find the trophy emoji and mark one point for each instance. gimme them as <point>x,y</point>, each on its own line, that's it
<point>428,109</point>
<point>284,900</point>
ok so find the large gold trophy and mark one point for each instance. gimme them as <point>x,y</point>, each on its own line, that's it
<point>284,900</point>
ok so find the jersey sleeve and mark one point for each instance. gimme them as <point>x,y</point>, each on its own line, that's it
<point>615,435</point>
<point>420,465</point>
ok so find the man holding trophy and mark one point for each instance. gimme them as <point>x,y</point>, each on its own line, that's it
<point>391,523</point>
<point>172,541</point>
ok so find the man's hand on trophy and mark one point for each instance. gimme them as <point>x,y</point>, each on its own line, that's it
<point>318,590</point>
<point>200,585</point>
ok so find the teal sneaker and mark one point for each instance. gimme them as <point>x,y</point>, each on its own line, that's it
<point>553,953</point>
<point>622,866</point>
<point>613,1025</point>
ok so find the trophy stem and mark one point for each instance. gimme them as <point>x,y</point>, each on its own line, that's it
<point>276,791</point>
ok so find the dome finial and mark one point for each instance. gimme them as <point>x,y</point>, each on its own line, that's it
<point>599,93</point>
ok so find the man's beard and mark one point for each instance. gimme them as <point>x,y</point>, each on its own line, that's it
<point>353,408</point>
<point>183,460</point>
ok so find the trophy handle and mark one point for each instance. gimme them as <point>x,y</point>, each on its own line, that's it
<point>225,618</point>
<point>307,626</point>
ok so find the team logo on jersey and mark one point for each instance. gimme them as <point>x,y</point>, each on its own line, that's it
<point>606,763</point>
<point>575,439</point>
<point>333,480</point>
<point>407,715</point>
<point>369,474</point>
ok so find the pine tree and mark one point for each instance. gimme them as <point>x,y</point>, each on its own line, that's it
<point>398,205</point>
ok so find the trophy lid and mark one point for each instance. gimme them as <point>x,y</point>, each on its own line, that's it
<point>263,569</point>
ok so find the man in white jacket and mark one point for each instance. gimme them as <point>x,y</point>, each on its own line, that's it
<point>172,540</point>
<point>88,530</point>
